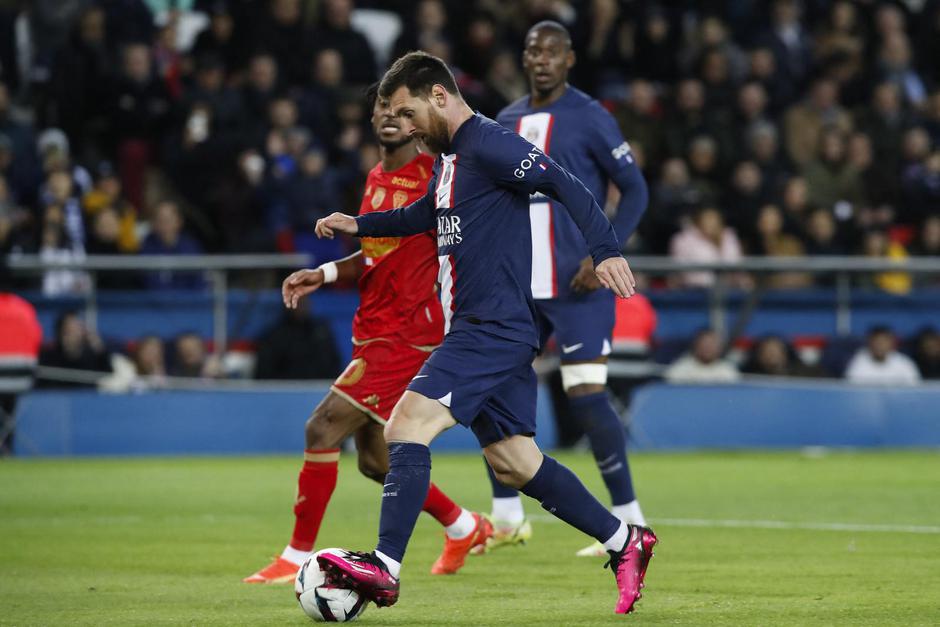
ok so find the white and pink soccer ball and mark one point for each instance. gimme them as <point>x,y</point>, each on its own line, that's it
<point>323,602</point>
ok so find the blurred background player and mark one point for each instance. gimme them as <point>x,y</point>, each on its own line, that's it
<point>481,375</point>
<point>19,350</point>
<point>578,133</point>
<point>398,322</point>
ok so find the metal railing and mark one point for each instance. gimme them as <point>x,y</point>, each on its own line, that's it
<point>218,267</point>
<point>842,268</point>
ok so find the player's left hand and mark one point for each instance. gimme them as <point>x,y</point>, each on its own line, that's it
<point>614,273</point>
<point>299,284</point>
<point>584,280</point>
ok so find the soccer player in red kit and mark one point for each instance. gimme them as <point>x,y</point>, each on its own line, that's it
<point>398,323</point>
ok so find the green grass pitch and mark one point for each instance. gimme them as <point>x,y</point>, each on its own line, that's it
<point>749,539</point>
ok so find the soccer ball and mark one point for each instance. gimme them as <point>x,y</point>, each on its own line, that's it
<point>323,602</point>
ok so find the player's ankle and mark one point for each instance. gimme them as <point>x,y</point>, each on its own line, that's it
<point>619,539</point>
<point>393,566</point>
<point>462,527</point>
<point>295,556</point>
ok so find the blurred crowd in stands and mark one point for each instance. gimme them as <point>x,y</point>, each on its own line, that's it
<point>296,347</point>
<point>778,128</point>
<point>300,346</point>
<point>882,360</point>
<point>769,128</point>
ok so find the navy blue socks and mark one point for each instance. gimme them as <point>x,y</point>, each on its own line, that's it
<point>608,443</point>
<point>403,495</point>
<point>561,493</point>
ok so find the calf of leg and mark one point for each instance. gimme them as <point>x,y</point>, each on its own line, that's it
<point>372,451</point>
<point>333,421</point>
<point>514,461</point>
<point>518,461</point>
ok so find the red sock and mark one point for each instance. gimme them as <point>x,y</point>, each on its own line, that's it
<point>314,487</point>
<point>441,507</point>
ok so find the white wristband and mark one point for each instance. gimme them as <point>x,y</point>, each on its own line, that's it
<point>330,272</point>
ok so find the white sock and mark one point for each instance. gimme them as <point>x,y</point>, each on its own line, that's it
<point>462,527</point>
<point>508,510</point>
<point>393,567</point>
<point>293,555</point>
<point>616,541</point>
<point>629,513</point>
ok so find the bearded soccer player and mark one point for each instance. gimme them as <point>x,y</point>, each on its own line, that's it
<point>578,133</point>
<point>398,323</point>
<point>481,376</point>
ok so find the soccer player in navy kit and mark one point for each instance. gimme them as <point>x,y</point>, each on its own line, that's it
<point>481,376</point>
<point>577,132</point>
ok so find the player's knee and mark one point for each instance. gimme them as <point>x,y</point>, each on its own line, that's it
<point>417,419</point>
<point>313,433</point>
<point>372,467</point>
<point>506,472</point>
<point>396,427</point>
<point>583,379</point>
<point>402,424</point>
<point>321,429</point>
<point>510,477</point>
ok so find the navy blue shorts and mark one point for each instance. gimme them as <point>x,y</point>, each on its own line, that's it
<point>582,324</point>
<point>487,382</point>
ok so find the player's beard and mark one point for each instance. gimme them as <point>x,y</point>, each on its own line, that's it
<point>392,146</point>
<point>437,139</point>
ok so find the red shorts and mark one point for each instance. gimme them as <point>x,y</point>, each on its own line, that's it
<point>378,375</point>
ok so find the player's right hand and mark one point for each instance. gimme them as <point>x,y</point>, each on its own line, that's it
<point>336,223</point>
<point>299,284</point>
<point>614,273</point>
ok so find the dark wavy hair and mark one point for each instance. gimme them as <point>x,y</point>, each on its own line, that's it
<point>419,72</point>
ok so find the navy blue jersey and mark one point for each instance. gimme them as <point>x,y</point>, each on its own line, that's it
<point>478,200</point>
<point>578,133</point>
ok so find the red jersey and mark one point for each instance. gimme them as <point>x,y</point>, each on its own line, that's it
<point>398,287</point>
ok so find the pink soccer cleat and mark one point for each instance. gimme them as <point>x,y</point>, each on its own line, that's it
<point>649,541</point>
<point>363,572</point>
<point>629,566</point>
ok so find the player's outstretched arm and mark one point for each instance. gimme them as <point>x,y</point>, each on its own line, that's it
<point>336,223</point>
<point>518,164</point>
<point>418,217</point>
<point>558,183</point>
<point>305,282</point>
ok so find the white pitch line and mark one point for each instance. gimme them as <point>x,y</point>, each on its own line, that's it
<point>812,526</point>
<point>779,524</point>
